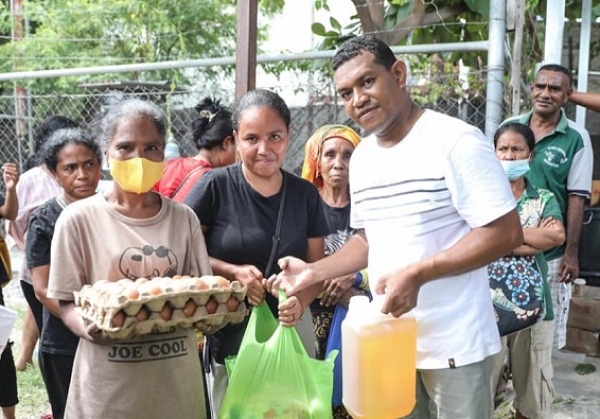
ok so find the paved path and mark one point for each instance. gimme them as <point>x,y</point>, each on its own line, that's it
<point>577,396</point>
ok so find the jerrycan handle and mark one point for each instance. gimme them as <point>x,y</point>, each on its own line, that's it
<point>358,301</point>
<point>376,307</point>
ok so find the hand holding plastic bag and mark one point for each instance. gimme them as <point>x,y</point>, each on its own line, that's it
<point>273,376</point>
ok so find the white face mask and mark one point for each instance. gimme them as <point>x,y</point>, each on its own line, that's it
<point>514,169</point>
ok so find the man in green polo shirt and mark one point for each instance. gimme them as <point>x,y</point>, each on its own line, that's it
<point>562,163</point>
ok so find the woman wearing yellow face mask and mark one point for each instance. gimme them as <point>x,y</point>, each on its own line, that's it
<point>129,232</point>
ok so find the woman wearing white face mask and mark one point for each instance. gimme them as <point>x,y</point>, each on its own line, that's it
<point>530,350</point>
<point>129,232</point>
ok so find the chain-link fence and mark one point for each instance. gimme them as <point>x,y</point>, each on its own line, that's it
<point>311,107</point>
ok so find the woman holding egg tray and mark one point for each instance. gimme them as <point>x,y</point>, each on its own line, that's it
<point>129,232</point>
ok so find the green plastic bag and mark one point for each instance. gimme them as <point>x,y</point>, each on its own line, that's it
<point>273,377</point>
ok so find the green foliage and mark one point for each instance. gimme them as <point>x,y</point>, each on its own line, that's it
<point>448,21</point>
<point>585,369</point>
<point>33,399</point>
<point>444,22</point>
<point>321,5</point>
<point>272,6</point>
<point>480,7</point>
<point>397,11</point>
<point>32,394</point>
<point>5,21</point>
<point>438,81</point>
<point>81,33</point>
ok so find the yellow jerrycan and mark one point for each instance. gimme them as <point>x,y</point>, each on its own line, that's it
<point>379,361</point>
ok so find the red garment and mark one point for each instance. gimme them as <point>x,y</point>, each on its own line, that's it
<point>179,177</point>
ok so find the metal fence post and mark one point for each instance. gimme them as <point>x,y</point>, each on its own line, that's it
<point>495,76</point>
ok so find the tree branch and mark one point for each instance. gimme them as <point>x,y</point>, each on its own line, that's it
<point>364,15</point>
<point>402,29</point>
<point>377,12</point>
<point>532,29</point>
<point>444,13</point>
<point>418,17</point>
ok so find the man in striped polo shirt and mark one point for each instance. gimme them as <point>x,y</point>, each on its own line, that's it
<point>433,207</point>
<point>562,163</point>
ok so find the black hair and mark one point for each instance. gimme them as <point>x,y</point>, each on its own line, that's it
<point>131,109</point>
<point>64,137</point>
<point>558,68</point>
<point>518,128</point>
<point>43,132</point>
<point>261,97</point>
<point>213,125</point>
<point>357,45</point>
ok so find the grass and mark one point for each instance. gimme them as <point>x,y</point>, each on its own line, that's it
<point>33,399</point>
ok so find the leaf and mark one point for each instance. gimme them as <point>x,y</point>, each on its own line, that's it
<point>334,23</point>
<point>272,6</point>
<point>396,13</point>
<point>479,6</point>
<point>585,369</point>
<point>318,29</point>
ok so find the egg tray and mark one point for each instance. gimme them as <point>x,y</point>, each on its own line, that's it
<point>100,307</point>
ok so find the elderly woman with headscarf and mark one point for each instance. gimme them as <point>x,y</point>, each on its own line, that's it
<point>326,165</point>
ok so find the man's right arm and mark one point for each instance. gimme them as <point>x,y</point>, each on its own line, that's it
<point>297,275</point>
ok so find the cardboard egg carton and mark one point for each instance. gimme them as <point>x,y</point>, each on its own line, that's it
<point>127,308</point>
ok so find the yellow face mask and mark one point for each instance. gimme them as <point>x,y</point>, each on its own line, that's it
<point>137,175</point>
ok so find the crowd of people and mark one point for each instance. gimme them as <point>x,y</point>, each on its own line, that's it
<point>411,216</point>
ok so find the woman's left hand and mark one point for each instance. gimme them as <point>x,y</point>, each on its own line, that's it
<point>333,289</point>
<point>96,335</point>
<point>290,311</point>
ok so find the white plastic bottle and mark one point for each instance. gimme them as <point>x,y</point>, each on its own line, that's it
<point>378,362</point>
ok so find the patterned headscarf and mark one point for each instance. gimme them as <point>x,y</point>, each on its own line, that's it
<point>314,146</point>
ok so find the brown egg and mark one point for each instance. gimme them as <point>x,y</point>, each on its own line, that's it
<point>155,290</point>
<point>143,314</point>
<point>199,283</point>
<point>118,319</point>
<point>150,288</point>
<point>141,280</point>
<point>177,276</point>
<point>131,293</point>
<point>222,282</point>
<point>189,308</point>
<point>212,305</point>
<point>232,304</point>
<point>167,312</point>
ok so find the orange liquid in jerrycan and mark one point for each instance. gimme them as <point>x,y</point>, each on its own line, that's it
<point>379,362</point>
